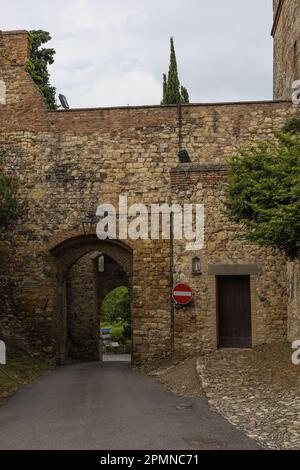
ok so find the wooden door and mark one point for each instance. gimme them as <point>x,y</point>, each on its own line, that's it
<point>234,311</point>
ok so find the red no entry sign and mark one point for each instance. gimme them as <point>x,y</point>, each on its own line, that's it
<point>182,294</point>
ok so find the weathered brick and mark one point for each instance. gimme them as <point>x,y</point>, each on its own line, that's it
<point>71,161</point>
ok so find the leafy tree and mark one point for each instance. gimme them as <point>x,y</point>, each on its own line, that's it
<point>116,307</point>
<point>40,59</point>
<point>172,93</point>
<point>263,191</point>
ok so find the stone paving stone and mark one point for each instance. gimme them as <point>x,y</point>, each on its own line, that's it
<point>257,391</point>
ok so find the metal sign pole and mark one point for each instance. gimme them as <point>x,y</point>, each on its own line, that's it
<point>172,286</point>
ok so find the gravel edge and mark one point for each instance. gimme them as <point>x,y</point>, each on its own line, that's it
<point>200,368</point>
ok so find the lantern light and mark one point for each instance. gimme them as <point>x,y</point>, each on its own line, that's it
<point>87,222</point>
<point>196,266</point>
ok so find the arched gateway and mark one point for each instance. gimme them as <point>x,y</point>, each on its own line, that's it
<point>65,255</point>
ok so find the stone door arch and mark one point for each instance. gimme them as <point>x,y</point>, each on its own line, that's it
<point>65,255</point>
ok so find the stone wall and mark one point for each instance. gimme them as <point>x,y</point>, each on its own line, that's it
<point>11,308</point>
<point>14,47</point>
<point>294,301</point>
<point>196,325</point>
<point>286,33</point>
<point>86,290</point>
<point>275,6</point>
<point>70,161</point>
<point>113,276</point>
<point>82,310</point>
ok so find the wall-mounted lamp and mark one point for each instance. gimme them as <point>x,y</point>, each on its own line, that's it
<point>196,266</point>
<point>87,223</point>
<point>184,156</point>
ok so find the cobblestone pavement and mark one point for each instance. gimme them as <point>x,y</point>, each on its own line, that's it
<point>258,391</point>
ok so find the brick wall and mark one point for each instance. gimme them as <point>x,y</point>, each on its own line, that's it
<point>15,46</point>
<point>70,161</point>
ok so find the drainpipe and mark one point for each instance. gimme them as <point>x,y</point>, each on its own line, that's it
<point>179,127</point>
<point>172,305</point>
<point>171,274</point>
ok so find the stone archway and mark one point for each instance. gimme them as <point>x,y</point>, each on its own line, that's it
<point>66,254</point>
<point>87,286</point>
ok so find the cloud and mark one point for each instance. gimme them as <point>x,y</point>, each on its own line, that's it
<point>114,52</point>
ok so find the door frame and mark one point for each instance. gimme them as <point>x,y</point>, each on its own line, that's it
<point>221,270</point>
<point>218,283</point>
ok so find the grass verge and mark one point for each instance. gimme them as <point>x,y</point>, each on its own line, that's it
<point>21,369</point>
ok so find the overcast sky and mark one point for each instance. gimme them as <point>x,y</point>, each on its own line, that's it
<point>114,52</point>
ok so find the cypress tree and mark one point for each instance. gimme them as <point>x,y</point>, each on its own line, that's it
<point>173,85</point>
<point>184,95</point>
<point>172,93</point>
<point>164,88</point>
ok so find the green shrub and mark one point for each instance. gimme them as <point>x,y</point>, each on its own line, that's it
<point>116,334</point>
<point>263,191</point>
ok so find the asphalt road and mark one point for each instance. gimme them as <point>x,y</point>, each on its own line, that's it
<point>109,406</point>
